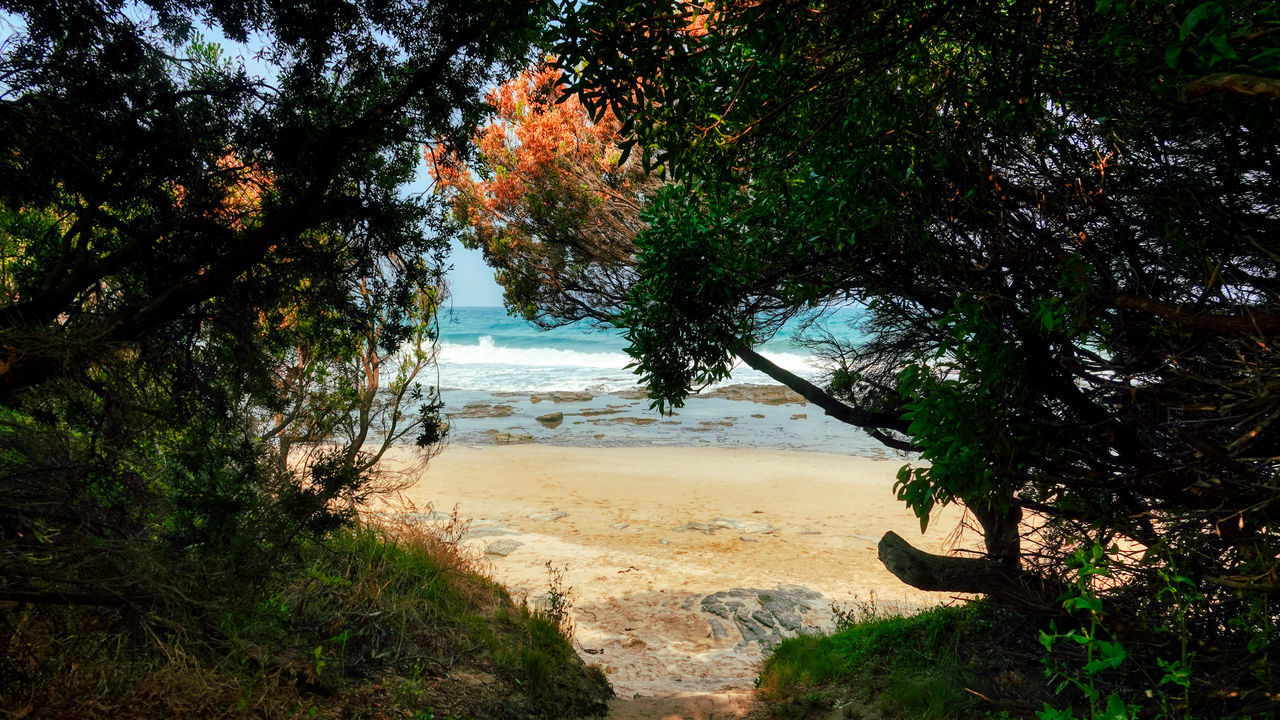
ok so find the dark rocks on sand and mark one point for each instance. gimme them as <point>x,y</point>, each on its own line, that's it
<point>742,526</point>
<point>549,516</point>
<point>765,616</point>
<point>506,438</point>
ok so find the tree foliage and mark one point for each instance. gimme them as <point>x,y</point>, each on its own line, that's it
<point>549,201</point>
<point>1061,219</point>
<point>202,269</point>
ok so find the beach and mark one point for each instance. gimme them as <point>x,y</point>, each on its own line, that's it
<point>688,543</point>
<point>683,564</point>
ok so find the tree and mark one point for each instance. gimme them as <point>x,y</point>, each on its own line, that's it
<point>348,391</point>
<point>1061,218</point>
<point>549,202</point>
<point>174,231</point>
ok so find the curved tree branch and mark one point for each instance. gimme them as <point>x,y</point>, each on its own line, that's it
<point>873,422</point>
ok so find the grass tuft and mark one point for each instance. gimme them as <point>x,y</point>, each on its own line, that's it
<point>938,664</point>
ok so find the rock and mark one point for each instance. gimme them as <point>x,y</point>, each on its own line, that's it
<point>506,438</point>
<point>632,641</point>
<point>630,420</point>
<point>699,526</point>
<point>560,396</point>
<point>482,531</point>
<point>552,419</point>
<point>809,531</point>
<point>552,516</point>
<point>799,416</point>
<point>620,526</point>
<point>763,394</point>
<point>743,526</point>
<point>599,411</point>
<point>744,538</point>
<point>757,416</point>
<point>718,631</point>
<point>482,410</point>
<point>502,548</point>
<point>663,541</point>
<point>764,616</point>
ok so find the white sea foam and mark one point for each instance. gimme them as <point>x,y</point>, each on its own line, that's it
<point>487,365</point>
<point>488,353</point>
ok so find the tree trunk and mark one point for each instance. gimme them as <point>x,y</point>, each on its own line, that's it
<point>980,576</point>
<point>1000,532</point>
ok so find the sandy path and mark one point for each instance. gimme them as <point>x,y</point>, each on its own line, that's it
<point>607,518</point>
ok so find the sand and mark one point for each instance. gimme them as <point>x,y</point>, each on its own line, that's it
<point>607,519</point>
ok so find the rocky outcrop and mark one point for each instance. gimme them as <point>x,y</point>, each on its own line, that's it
<point>551,420</point>
<point>560,396</point>
<point>766,616</point>
<point>763,394</point>
<point>482,410</point>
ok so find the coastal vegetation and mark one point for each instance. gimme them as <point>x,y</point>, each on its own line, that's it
<point>217,299</point>
<point>1061,220</point>
<point>965,661</point>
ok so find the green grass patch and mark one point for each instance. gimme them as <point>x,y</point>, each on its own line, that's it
<point>939,664</point>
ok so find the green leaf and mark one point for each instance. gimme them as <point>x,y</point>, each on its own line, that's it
<point>1194,17</point>
<point>1116,709</point>
<point>1084,602</point>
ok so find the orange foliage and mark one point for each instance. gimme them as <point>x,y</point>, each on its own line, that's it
<point>240,185</point>
<point>547,195</point>
<point>242,198</point>
<point>532,139</point>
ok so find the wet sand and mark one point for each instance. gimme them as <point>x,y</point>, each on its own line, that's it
<point>645,538</point>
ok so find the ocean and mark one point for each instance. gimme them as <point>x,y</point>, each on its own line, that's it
<point>500,374</point>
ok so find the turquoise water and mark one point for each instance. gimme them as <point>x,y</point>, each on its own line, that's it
<point>485,349</point>
<point>500,375</point>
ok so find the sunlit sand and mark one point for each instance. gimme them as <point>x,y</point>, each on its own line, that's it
<point>644,534</point>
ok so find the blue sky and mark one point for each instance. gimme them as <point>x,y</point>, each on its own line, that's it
<point>471,281</point>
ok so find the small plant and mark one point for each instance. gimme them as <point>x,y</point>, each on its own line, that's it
<point>1101,653</point>
<point>855,611</point>
<point>559,603</point>
<point>1104,653</point>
